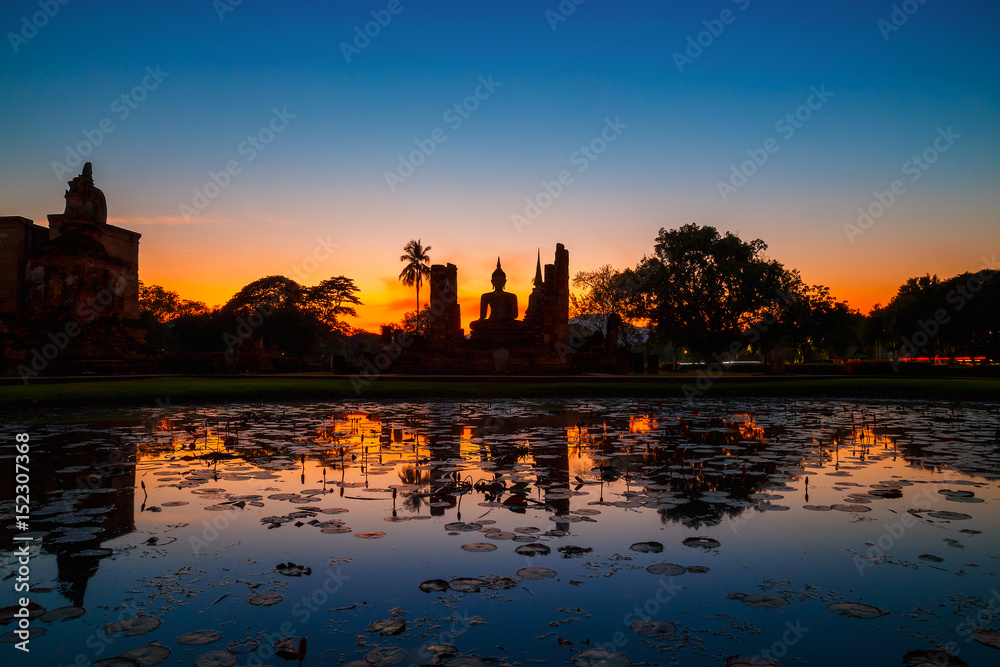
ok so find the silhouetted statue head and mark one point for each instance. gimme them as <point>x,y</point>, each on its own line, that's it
<point>499,278</point>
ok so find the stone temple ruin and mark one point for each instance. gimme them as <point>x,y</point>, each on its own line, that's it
<point>500,343</point>
<point>69,293</point>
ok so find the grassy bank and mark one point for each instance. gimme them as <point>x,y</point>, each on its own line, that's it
<point>174,391</point>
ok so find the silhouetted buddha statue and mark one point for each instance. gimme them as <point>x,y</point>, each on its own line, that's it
<point>501,308</point>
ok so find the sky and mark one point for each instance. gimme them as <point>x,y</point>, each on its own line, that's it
<point>312,139</point>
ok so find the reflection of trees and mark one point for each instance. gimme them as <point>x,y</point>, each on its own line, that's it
<point>410,476</point>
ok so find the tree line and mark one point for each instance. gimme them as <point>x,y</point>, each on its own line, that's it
<point>710,297</point>
<point>288,319</point>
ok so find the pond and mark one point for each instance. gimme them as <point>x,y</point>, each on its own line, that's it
<point>588,532</point>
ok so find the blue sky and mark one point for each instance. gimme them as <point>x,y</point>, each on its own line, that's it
<point>325,173</point>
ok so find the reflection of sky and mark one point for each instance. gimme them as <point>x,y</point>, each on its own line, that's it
<point>798,546</point>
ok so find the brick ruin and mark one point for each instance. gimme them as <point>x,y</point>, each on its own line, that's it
<point>69,292</point>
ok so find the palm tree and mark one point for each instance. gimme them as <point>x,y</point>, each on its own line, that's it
<point>417,266</point>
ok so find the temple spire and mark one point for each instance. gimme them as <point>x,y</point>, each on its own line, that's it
<point>538,270</point>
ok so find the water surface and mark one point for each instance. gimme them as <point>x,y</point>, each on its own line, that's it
<point>512,532</point>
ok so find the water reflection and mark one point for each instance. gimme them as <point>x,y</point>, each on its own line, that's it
<point>231,490</point>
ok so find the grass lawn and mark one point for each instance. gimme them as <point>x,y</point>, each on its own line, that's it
<point>159,391</point>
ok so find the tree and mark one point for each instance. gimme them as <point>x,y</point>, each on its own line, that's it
<point>264,295</point>
<point>417,266</point>
<point>295,320</point>
<point>164,305</point>
<point>704,290</point>
<point>332,299</point>
<point>605,292</point>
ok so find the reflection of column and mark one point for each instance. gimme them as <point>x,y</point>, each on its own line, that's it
<point>110,480</point>
<point>554,474</point>
<point>441,480</point>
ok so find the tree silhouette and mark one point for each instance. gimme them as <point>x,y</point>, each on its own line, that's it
<point>417,266</point>
<point>332,299</point>
<point>705,289</point>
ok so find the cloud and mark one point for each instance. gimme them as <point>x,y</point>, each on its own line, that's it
<point>161,220</point>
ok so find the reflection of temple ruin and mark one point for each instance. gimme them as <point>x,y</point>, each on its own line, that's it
<point>83,488</point>
<point>540,344</point>
<point>73,285</point>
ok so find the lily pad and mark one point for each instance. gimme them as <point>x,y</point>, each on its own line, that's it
<point>479,547</point>
<point>370,535</point>
<point>599,657</point>
<point>147,656</point>
<point>760,601</point>
<point>392,626</point>
<point>137,625</point>
<point>666,569</point>
<point>290,569</point>
<point>989,637</point>
<point>533,549</point>
<point>935,658</point>
<point>855,610</point>
<point>466,585</point>
<point>536,573</point>
<point>35,610</point>
<point>647,547</point>
<point>11,636</point>
<point>949,516</point>
<point>572,551</point>
<point>702,543</point>
<point>266,599</point>
<point>841,507</point>
<point>750,661</point>
<point>199,637</point>
<point>215,659</point>
<point>460,526</point>
<point>383,657</point>
<point>434,585</point>
<point>62,614</point>
<point>241,646</point>
<point>647,627</point>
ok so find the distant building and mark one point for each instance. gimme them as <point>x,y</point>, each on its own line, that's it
<point>70,292</point>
